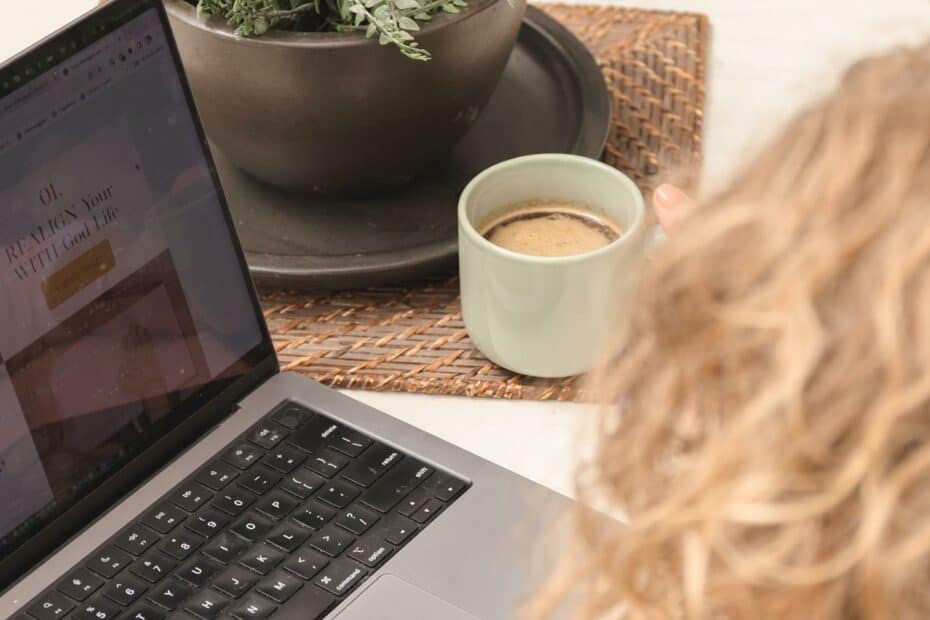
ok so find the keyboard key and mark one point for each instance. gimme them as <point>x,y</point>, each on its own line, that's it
<point>262,558</point>
<point>284,459</point>
<point>164,518</point>
<point>125,591</point>
<point>313,602</point>
<point>331,540</point>
<point>444,486</point>
<point>338,493</point>
<point>191,496</point>
<point>217,475</point>
<point>348,441</point>
<point>50,606</point>
<point>370,551</point>
<point>233,501</point>
<point>313,514</point>
<point>397,529</point>
<point>340,576</point>
<point>427,511</point>
<point>260,480</point>
<point>153,566</point>
<point>243,455</point>
<point>255,606</point>
<point>279,586</point>
<point>225,547</point>
<point>136,540</point>
<point>180,544</point>
<point>357,519</point>
<point>276,505</point>
<point>252,527</point>
<point>372,464</point>
<point>197,571</point>
<point>206,604</point>
<point>145,611</point>
<point>267,436</point>
<point>109,561</point>
<point>288,536</point>
<point>314,435</point>
<point>302,483</point>
<point>291,415</point>
<point>327,462</point>
<point>235,581</point>
<point>306,563</point>
<point>95,609</point>
<point>207,522</point>
<point>396,484</point>
<point>80,584</point>
<point>170,594</point>
<point>413,502</point>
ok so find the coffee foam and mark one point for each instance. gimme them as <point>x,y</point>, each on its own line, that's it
<point>550,228</point>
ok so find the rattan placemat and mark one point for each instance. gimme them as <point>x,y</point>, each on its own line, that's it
<point>412,338</point>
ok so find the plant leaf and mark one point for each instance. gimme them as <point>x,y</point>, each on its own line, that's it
<point>394,22</point>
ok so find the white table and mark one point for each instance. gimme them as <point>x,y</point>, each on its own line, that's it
<point>768,59</point>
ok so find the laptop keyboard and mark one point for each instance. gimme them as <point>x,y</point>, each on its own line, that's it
<point>292,516</point>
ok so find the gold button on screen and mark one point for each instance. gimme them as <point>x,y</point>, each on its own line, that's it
<point>79,273</point>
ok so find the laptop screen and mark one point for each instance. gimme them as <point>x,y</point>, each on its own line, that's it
<point>122,291</point>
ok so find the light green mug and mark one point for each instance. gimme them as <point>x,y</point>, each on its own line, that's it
<point>549,316</point>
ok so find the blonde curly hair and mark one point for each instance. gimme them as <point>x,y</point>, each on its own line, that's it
<point>771,446</point>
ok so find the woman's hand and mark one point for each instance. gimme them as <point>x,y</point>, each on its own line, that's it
<point>671,206</point>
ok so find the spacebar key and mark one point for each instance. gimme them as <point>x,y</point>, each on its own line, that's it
<point>396,484</point>
<point>309,603</point>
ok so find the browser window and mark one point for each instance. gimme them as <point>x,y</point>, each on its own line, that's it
<point>120,286</point>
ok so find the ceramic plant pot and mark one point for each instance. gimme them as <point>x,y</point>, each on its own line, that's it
<point>336,112</point>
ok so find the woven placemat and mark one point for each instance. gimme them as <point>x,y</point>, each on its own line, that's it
<point>412,338</point>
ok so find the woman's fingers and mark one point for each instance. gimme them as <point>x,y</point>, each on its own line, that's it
<point>671,206</point>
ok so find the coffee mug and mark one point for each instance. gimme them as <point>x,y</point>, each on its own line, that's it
<point>550,316</point>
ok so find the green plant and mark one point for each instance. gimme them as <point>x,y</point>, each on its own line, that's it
<point>392,21</point>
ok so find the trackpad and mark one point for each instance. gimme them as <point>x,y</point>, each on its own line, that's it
<point>392,598</point>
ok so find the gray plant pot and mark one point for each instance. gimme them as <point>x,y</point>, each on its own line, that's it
<point>338,113</point>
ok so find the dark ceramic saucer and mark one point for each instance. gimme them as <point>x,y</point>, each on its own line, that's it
<point>551,98</point>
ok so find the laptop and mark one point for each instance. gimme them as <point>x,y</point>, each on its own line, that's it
<point>154,462</point>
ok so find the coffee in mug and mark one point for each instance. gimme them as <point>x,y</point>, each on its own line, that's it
<point>550,316</point>
<point>549,228</point>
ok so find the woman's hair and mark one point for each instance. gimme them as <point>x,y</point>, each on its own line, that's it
<point>771,440</point>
